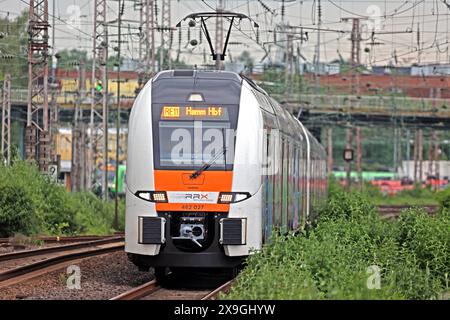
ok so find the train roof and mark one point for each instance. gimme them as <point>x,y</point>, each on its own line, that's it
<point>215,86</point>
<point>198,74</point>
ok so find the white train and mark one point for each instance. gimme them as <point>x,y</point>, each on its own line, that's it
<point>214,166</point>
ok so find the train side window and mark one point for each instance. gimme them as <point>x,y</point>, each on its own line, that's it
<point>279,184</point>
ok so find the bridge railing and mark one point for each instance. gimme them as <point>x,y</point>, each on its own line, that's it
<point>365,103</point>
<point>20,97</point>
<point>323,102</point>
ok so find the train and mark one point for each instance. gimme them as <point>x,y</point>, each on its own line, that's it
<point>215,166</point>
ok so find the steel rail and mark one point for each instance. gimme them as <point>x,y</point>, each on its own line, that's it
<point>225,288</point>
<point>139,292</point>
<point>41,251</point>
<point>152,287</point>
<point>35,269</point>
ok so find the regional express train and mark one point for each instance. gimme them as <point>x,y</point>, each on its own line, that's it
<point>214,165</point>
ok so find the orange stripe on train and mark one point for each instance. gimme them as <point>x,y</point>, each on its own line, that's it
<point>179,180</point>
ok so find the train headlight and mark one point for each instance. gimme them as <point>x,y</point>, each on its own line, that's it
<point>225,198</point>
<point>152,196</point>
<point>196,97</point>
<point>232,197</point>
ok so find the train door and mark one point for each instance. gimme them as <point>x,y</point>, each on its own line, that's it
<point>269,182</point>
<point>304,184</point>
<point>284,182</point>
<point>297,197</point>
<point>291,190</point>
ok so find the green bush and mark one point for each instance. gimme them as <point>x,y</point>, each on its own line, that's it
<point>30,203</point>
<point>335,259</point>
<point>444,198</point>
<point>17,214</point>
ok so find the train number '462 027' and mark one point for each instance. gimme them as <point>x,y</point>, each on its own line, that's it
<point>192,206</point>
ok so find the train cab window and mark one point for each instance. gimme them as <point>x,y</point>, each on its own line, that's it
<point>189,136</point>
<point>193,143</point>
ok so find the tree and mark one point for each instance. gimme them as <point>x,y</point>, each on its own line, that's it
<point>247,59</point>
<point>13,48</point>
<point>68,59</point>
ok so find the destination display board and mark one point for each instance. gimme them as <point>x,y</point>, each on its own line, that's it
<point>175,112</point>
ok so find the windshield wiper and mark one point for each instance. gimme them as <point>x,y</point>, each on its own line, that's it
<point>208,164</point>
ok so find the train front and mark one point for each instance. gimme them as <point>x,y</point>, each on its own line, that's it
<point>188,203</point>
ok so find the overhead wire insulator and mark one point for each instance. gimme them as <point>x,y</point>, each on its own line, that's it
<point>257,35</point>
<point>266,7</point>
<point>122,8</point>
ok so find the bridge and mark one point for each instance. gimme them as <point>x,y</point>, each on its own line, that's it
<point>329,109</point>
<point>316,110</point>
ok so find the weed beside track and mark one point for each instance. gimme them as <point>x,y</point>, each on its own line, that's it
<point>354,254</point>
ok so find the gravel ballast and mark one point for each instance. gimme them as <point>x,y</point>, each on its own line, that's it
<point>102,277</point>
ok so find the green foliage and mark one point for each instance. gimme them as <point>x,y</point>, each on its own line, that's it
<point>335,260</point>
<point>68,59</point>
<point>13,56</point>
<point>16,211</point>
<point>30,204</point>
<point>443,197</point>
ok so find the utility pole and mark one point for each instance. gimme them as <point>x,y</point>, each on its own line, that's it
<point>348,165</point>
<point>433,156</point>
<point>37,135</point>
<point>53,84</point>
<point>395,149</point>
<point>99,94</point>
<point>147,54</point>
<point>436,158</point>
<point>166,37</point>
<point>119,48</point>
<point>420,155</point>
<point>355,61</point>
<point>219,36</point>
<point>330,150</point>
<point>289,61</point>
<point>408,151</point>
<point>6,120</point>
<point>416,154</point>
<point>359,157</point>
<point>431,153</point>
<point>317,67</point>
<point>78,168</point>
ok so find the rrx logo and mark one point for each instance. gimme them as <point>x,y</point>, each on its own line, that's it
<point>196,196</point>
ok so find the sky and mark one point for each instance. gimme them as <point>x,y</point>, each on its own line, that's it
<point>396,24</point>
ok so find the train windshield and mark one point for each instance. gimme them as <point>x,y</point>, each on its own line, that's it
<point>188,142</point>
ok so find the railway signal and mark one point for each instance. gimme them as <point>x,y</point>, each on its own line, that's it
<point>99,87</point>
<point>348,155</point>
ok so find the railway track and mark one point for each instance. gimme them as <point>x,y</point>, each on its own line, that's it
<point>23,265</point>
<point>392,211</point>
<point>70,239</point>
<point>152,291</point>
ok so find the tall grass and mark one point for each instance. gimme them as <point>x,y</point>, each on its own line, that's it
<point>339,258</point>
<point>32,204</point>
